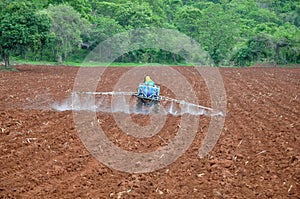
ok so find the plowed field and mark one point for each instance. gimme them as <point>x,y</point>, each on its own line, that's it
<point>256,156</point>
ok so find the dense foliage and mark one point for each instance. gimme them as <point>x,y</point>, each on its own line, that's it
<point>233,32</point>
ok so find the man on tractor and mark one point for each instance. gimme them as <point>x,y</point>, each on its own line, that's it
<point>149,81</point>
<point>148,94</point>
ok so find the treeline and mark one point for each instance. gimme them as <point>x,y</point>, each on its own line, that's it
<point>233,32</point>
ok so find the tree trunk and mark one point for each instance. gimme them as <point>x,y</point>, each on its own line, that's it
<point>174,58</point>
<point>59,58</point>
<point>24,53</point>
<point>5,57</point>
<point>276,58</point>
<point>53,54</point>
<point>66,55</point>
<point>41,53</point>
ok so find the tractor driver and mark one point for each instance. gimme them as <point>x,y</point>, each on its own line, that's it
<point>149,81</point>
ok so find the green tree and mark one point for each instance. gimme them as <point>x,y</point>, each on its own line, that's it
<point>171,9</point>
<point>103,28</point>
<point>159,13</point>
<point>285,42</point>
<point>68,27</point>
<point>218,30</point>
<point>243,31</point>
<point>131,15</point>
<point>107,9</point>
<point>21,27</point>
<point>187,21</point>
<point>81,6</point>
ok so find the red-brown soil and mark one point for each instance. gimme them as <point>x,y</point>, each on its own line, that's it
<point>257,154</point>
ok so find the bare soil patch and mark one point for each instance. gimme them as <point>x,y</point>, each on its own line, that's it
<point>257,155</point>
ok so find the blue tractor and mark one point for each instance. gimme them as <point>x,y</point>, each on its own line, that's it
<point>148,96</point>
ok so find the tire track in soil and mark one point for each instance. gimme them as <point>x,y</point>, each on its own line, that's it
<point>254,121</point>
<point>257,115</point>
<point>258,92</point>
<point>34,150</point>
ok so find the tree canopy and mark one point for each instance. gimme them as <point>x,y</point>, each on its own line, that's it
<point>21,28</point>
<point>233,32</point>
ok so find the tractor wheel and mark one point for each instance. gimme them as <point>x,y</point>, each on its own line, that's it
<point>148,103</point>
